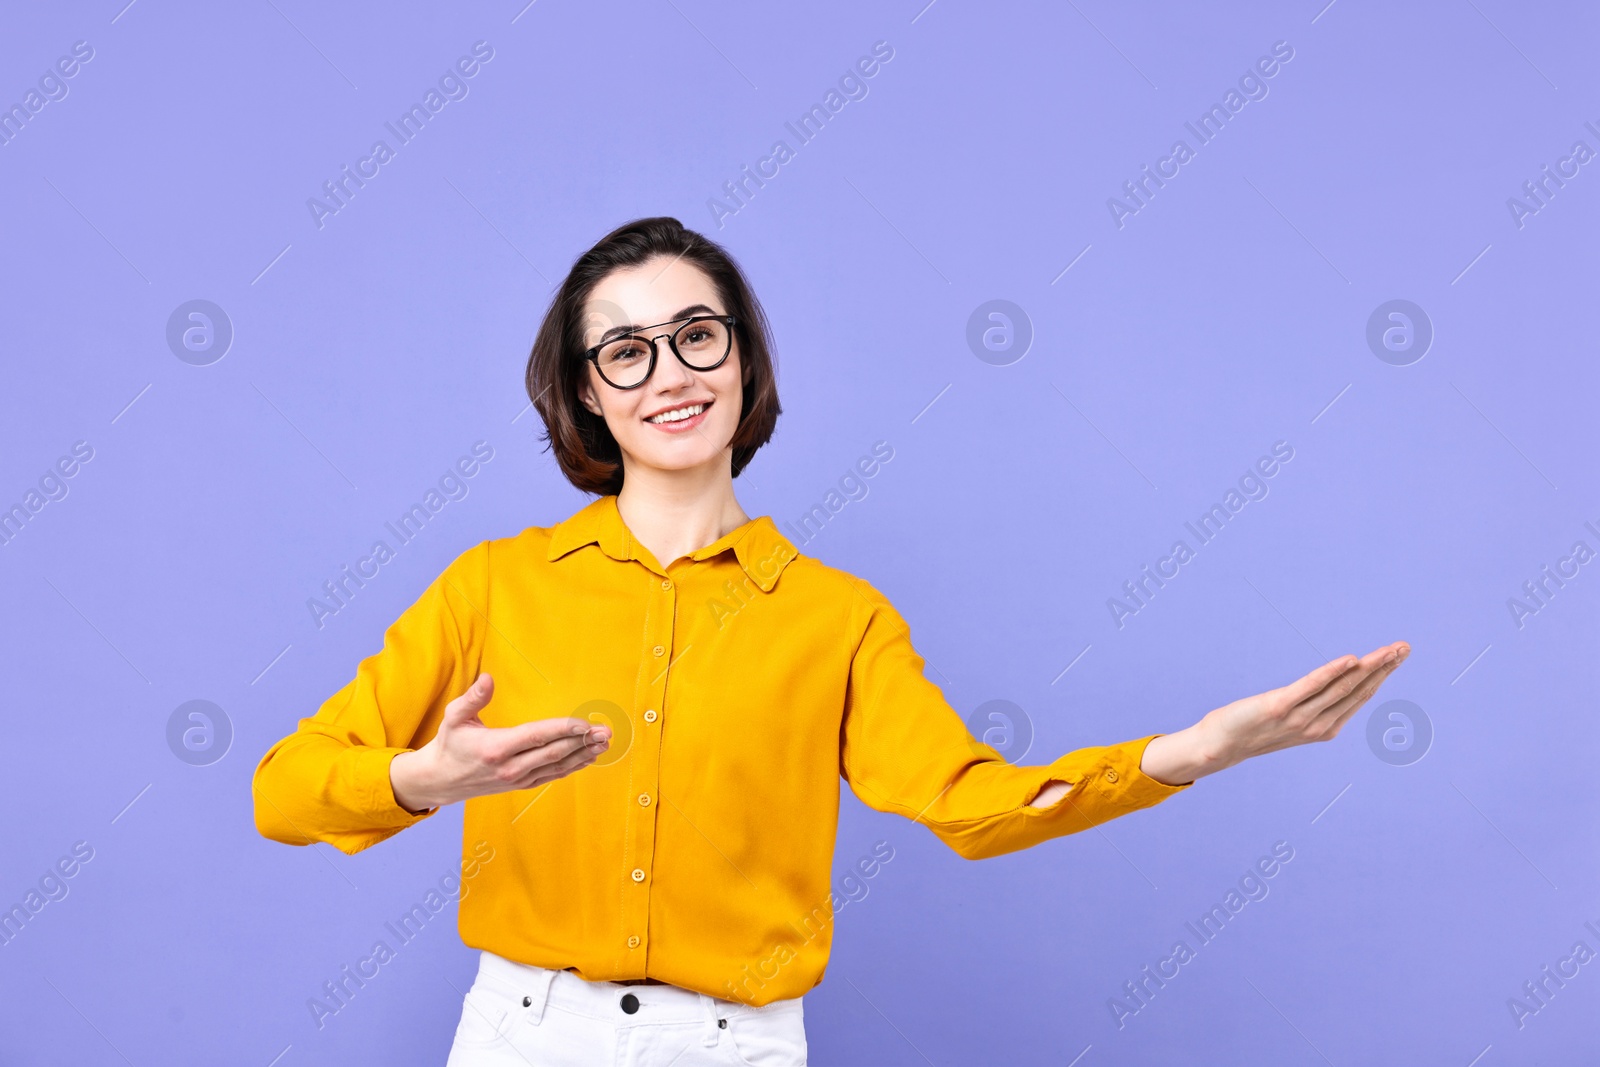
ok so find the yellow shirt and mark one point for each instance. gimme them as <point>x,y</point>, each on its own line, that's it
<point>742,682</point>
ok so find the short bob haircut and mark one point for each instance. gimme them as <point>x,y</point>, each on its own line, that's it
<point>583,445</point>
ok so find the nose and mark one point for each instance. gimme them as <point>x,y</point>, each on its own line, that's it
<point>670,372</point>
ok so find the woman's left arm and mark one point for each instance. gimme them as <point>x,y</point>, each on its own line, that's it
<point>1314,708</point>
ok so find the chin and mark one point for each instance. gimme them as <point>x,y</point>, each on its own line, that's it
<point>695,450</point>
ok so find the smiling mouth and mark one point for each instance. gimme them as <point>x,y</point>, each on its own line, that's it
<point>683,414</point>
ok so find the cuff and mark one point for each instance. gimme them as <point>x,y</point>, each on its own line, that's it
<point>1118,777</point>
<point>376,791</point>
<point>1106,781</point>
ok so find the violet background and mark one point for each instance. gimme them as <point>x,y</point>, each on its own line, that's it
<point>1228,314</point>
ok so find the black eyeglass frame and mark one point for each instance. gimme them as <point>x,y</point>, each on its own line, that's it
<point>593,354</point>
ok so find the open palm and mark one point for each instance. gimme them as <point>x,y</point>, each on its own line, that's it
<point>1314,708</point>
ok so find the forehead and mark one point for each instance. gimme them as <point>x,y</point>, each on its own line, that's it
<point>655,291</point>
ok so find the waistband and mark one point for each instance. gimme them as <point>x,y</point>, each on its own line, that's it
<point>604,1000</point>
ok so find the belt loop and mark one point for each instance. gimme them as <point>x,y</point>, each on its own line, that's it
<point>537,992</point>
<point>712,1034</point>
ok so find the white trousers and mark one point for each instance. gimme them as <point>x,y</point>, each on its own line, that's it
<point>516,1016</point>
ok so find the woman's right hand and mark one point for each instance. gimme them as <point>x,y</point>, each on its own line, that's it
<point>468,759</point>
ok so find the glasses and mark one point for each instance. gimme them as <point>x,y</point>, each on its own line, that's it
<point>701,343</point>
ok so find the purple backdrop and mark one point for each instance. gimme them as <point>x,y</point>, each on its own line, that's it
<point>990,255</point>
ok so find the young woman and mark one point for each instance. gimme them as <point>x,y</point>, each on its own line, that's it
<point>670,904</point>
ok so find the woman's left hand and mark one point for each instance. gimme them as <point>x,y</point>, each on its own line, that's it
<point>1314,708</point>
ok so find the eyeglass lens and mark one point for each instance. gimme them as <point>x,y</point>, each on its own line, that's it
<point>701,343</point>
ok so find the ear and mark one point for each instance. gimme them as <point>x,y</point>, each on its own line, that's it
<point>586,396</point>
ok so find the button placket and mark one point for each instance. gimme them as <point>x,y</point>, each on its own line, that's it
<point>659,640</point>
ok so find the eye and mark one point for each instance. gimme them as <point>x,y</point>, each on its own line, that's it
<point>625,351</point>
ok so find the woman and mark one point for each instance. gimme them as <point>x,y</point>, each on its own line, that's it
<point>671,903</point>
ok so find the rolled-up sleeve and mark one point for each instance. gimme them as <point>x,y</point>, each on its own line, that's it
<point>329,780</point>
<point>905,750</point>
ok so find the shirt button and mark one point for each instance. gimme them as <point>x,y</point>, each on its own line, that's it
<point>1111,776</point>
<point>658,650</point>
<point>650,716</point>
<point>633,942</point>
<point>666,583</point>
<point>638,875</point>
<point>644,800</point>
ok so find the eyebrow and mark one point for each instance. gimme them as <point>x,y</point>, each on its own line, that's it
<point>620,331</point>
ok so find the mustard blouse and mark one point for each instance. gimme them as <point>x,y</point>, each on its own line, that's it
<point>741,684</point>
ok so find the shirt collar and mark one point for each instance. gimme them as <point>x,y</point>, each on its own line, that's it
<point>762,551</point>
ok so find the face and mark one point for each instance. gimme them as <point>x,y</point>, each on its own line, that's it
<point>663,290</point>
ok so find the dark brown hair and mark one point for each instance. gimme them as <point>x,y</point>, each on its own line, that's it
<point>583,445</point>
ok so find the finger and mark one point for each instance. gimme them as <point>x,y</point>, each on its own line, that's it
<point>508,741</point>
<point>1394,656</point>
<point>1339,713</point>
<point>1346,683</point>
<point>465,707</point>
<point>521,765</point>
<point>1318,680</point>
<point>551,776</point>
<point>561,768</point>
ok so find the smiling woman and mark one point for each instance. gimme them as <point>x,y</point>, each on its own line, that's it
<point>632,889</point>
<point>652,265</point>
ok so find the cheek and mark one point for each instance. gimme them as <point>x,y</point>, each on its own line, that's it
<point>730,394</point>
<point>622,411</point>
<point>616,407</point>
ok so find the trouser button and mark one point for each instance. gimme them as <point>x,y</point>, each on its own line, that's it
<point>630,1003</point>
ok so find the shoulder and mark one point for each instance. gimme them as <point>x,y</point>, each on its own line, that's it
<point>836,585</point>
<point>530,544</point>
<point>517,551</point>
<point>531,541</point>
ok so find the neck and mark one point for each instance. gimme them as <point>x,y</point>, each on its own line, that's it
<point>673,513</point>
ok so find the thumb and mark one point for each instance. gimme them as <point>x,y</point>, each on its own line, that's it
<point>464,708</point>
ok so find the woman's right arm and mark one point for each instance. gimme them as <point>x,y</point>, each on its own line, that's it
<point>330,779</point>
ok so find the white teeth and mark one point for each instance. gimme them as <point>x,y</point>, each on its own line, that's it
<point>678,414</point>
